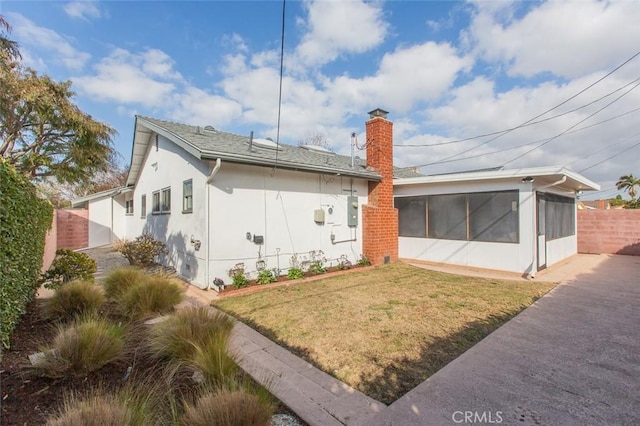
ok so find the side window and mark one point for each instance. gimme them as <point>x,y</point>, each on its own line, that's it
<point>165,206</point>
<point>143,206</point>
<point>128,204</point>
<point>187,196</point>
<point>155,208</point>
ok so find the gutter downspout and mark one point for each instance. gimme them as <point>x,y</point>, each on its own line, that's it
<point>535,222</point>
<point>207,204</point>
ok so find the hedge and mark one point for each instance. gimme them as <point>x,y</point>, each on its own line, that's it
<point>24,222</point>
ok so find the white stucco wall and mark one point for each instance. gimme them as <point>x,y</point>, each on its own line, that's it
<point>280,207</point>
<point>100,224</point>
<point>169,166</point>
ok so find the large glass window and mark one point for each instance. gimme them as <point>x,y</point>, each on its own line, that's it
<point>560,220</point>
<point>482,216</point>
<point>412,216</point>
<point>493,216</point>
<point>448,216</point>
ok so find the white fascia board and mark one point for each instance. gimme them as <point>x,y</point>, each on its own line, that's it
<point>501,174</point>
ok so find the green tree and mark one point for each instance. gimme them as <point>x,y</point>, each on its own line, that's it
<point>628,183</point>
<point>42,132</point>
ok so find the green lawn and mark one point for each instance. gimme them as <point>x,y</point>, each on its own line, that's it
<point>384,331</point>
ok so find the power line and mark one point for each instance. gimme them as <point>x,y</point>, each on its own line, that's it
<point>518,127</point>
<point>571,127</point>
<point>532,142</point>
<point>284,5</point>
<point>547,111</point>
<point>609,158</point>
<point>605,148</point>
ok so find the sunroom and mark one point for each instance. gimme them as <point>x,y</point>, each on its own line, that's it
<point>520,220</point>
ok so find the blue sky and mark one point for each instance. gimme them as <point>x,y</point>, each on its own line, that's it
<point>445,70</point>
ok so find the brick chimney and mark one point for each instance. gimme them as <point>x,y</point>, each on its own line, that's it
<point>379,217</point>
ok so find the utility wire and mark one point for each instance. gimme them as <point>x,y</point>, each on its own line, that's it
<point>521,126</point>
<point>530,143</point>
<point>606,148</point>
<point>284,5</point>
<point>571,127</point>
<point>609,158</point>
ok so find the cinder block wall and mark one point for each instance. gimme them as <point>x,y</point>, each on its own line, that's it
<point>379,217</point>
<point>73,228</point>
<point>609,231</point>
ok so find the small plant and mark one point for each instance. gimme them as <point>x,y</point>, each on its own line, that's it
<point>228,408</point>
<point>266,276</point>
<point>153,296</point>
<point>118,281</point>
<point>82,347</point>
<point>344,262</point>
<point>96,410</point>
<point>295,271</point>
<point>67,266</point>
<point>142,251</point>
<point>179,336</point>
<point>238,276</point>
<point>316,267</point>
<point>364,261</point>
<point>74,299</point>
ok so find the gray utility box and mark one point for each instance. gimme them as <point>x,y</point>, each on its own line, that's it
<point>352,210</point>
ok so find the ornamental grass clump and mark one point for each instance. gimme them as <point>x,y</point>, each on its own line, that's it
<point>180,336</point>
<point>155,295</point>
<point>84,346</point>
<point>96,410</point>
<point>118,281</point>
<point>73,299</point>
<point>228,408</point>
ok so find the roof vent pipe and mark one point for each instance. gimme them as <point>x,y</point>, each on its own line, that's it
<point>250,141</point>
<point>353,154</point>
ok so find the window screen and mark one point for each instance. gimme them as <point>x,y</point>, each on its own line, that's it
<point>560,216</point>
<point>448,216</point>
<point>493,216</point>
<point>155,206</point>
<point>187,196</point>
<point>412,216</point>
<point>165,205</point>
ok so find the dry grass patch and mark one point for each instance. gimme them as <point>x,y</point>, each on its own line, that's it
<point>386,330</point>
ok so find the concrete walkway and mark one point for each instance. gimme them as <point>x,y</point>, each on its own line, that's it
<point>573,358</point>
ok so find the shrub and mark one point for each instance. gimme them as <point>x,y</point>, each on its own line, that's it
<point>295,273</point>
<point>25,219</point>
<point>228,408</point>
<point>317,262</point>
<point>179,336</point>
<point>238,276</point>
<point>142,251</point>
<point>82,347</point>
<point>118,281</point>
<point>75,298</point>
<point>344,262</point>
<point>266,276</point>
<point>96,410</point>
<point>67,266</point>
<point>364,261</point>
<point>155,295</point>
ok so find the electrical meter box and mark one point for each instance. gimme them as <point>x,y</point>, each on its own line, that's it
<point>352,210</point>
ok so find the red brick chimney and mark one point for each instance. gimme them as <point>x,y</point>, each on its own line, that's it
<point>379,217</point>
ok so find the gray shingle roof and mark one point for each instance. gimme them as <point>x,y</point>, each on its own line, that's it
<point>212,144</point>
<point>235,148</point>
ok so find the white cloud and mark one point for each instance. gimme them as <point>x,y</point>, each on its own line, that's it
<point>157,63</point>
<point>568,38</point>
<point>336,27</point>
<point>195,106</point>
<point>47,41</point>
<point>235,42</point>
<point>82,10</point>
<point>125,77</point>
<point>406,77</point>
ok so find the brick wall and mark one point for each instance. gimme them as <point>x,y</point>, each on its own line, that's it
<point>73,228</point>
<point>379,217</point>
<point>50,244</point>
<point>609,231</point>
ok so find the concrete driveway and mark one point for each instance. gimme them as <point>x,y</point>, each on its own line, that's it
<point>572,358</point>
